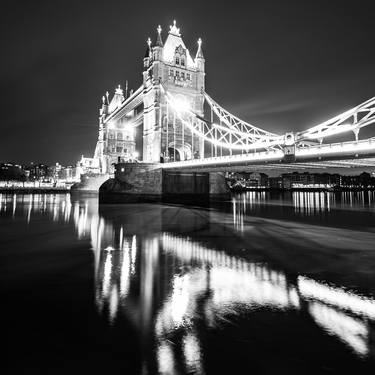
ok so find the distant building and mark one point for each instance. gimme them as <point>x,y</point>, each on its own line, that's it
<point>275,182</point>
<point>37,172</point>
<point>12,172</point>
<point>256,179</point>
<point>297,180</point>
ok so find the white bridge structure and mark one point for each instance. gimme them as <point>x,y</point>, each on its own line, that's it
<point>235,142</point>
<point>171,119</point>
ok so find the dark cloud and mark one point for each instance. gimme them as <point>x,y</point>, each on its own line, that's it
<point>283,65</point>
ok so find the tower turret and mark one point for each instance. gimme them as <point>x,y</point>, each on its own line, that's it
<point>200,62</point>
<point>147,62</point>
<point>104,108</point>
<point>159,40</point>
<point>117,99</point>
<point>158,48</point>
<point>147,58</point>
<point>199,58</point>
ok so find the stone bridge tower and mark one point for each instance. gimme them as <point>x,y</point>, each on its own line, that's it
<point>169,66</point>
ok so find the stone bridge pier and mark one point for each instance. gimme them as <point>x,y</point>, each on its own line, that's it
<point>148,182</point>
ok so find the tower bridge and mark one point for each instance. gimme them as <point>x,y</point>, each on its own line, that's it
<point>172,123</point>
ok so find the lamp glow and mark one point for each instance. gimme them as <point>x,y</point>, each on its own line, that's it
<point>181,105</point>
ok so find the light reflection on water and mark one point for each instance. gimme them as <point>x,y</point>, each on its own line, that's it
<point>300,203</point>
<point>171,285</point>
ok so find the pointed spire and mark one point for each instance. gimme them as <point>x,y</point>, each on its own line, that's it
<point>106,98</point>
<point>159,40</point>
<point>148,50</point>
<point>104,108</point>
<point>199,52</point>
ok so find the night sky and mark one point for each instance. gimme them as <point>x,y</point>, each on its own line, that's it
<point>281,65</point>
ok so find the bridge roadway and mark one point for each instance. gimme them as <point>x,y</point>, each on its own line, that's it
<point>327,157</point>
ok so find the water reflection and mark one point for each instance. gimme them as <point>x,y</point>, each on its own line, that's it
<point>299,204</point>
<point>174,286</point>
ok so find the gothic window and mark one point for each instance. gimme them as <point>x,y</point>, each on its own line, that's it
<point>182,61</point>
<point>111,135</point>
<point>182,75</point>
<point>171,72</point>
<point>177,61</point>
<point>138,109</point>
<point>188,76</point>
<point>119,149</point>
<point>177,74</point>
<point>125,150</point>
<point>119,136</point>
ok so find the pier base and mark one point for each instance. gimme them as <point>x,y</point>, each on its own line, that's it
<point>133,182</point>
<point>90,183</point>
<point>148,182</point>
<point>219,189</point>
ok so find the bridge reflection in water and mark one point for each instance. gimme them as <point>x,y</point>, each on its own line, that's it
<point>173,280</point>
<point>198,282</point>
<point>299,203</point>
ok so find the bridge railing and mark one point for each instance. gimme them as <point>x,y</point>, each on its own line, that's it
<point>339,147</point>
<point>275,154</point>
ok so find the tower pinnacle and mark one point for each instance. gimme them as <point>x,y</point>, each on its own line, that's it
<point>159,41</point>
<point>119,90</point>
<point>199,52</point>
<point>174,30</point>
<point>148,50</point>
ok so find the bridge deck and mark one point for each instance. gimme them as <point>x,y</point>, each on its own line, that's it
<point>334,155</point>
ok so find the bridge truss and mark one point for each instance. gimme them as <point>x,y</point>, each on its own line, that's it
<point>228,136</point>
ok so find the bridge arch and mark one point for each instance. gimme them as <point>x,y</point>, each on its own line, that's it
<point>179,152</point>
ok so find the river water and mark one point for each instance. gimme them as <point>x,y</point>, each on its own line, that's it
<point>262,284</point>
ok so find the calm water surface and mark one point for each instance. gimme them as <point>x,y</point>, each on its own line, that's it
<point>264,284</point>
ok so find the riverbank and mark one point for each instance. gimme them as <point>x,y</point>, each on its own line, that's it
<point>310,189</point>
<point>47,190</point>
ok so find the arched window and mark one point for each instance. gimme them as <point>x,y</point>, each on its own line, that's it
<point>177,60</point>
<point>182,61</point>
<point>119,136</point>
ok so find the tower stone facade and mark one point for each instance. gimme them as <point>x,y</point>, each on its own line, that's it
<point>169,67</point>
<point>141,126</point>
<point>116,133</point>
